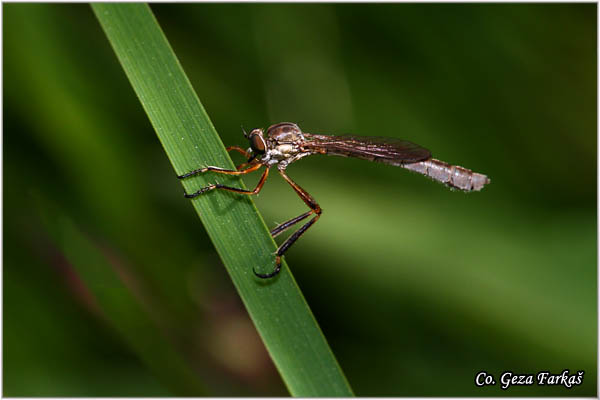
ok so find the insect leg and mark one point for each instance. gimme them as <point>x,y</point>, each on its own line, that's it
<point>256,190</point>
<point>238,167</point>
<point>286,225</point>
<point>314,209</point>
<point>220,170</point>
<point>285,246</point>
<point>245,153</point>
<point>239,150</point>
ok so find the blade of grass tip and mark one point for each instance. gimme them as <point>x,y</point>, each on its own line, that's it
<point>277,308</point>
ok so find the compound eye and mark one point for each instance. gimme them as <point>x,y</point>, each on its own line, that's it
<point>258,144</point>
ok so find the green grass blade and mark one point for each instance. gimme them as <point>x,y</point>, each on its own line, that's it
<point>240,236</point>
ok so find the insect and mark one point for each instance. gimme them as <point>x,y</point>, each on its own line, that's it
<point>285,143</point>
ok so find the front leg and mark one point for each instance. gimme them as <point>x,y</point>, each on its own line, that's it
<point>247,154</point>
<point>214,186</point>
<point>239,150</point>
<point>220,170</point>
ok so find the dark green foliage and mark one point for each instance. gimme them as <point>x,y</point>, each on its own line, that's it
<point>416,288</point>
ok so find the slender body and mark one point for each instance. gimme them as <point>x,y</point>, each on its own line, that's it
<point>399,153</point>
<point>285,143</point>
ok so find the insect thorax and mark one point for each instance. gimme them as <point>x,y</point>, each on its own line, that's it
<point>285,132</point>
<point>284,143</point>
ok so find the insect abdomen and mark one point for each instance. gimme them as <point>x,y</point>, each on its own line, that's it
<point>450,175</point>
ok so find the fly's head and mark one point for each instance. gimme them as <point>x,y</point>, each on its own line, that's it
<point>258,145</point>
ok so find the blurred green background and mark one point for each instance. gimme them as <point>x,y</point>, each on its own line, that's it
<point>417,288</point>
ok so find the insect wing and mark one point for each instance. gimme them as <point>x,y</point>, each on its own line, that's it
<point>381,149</point>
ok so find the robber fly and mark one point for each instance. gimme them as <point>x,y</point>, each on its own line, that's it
<point>285,143</point>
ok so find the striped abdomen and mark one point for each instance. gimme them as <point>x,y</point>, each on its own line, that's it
<point>450,175</point>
